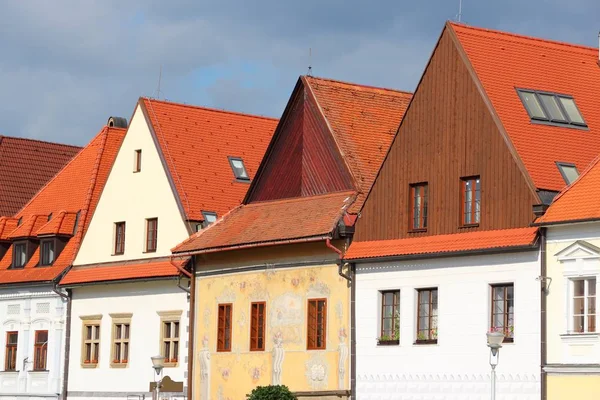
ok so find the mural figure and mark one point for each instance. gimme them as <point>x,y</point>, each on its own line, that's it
<point>278,355</point>
<point>205,370</point>
<point>343,356</point>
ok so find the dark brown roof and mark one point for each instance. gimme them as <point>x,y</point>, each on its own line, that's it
<point>26,165</point>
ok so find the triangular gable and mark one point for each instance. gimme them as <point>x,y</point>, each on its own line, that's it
<point>303,158</point>
<point>578,250</point>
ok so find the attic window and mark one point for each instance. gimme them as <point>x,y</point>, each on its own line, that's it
<point>568,171</point>
<point>209,218</point>
<point>551,108</point>
<point>47,252</point>
<point>49,216</point>
<point>239,170</point>
<point>137,160</point>
<point>19,254</point>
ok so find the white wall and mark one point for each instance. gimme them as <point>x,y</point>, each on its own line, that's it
<point>133,197</point>
<point>143,300</point>
<point>26,310</point>
<point>457,366</point>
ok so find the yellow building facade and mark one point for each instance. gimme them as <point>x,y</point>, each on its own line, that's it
<point>285,279</point>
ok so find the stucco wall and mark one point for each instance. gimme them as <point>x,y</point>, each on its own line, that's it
<point>132,197</point>
<point>27,310</point>
<point>580,387</point>
<point>143,300</point>
<point>232,375</point>
<point>457,366</point>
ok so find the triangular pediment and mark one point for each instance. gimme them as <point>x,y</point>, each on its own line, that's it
<point>577,250</point>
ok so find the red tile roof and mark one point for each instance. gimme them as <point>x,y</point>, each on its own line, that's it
<point>458,242</point>
<point>76,187</point>
<point>504,62</point>
<point>578,202</point>
<point>7,226</point>
<point>25,167</point>
<point>271,222</point>
<point>364,121</point>
<point>136,269</point>
<point>62,223</point>
<point>196,142</point>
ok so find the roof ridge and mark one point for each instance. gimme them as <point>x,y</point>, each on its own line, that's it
<point>301,198</point>
<point>39,141</point>
<point>397,91</point>
<point>173,103</point>
<point>522,36</point>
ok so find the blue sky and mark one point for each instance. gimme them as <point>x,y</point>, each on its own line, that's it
<point>68,65</point>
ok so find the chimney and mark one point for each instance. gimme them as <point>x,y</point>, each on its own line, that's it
<point>117,122</point>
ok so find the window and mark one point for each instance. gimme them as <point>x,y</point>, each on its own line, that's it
<point>10,357</point>
<point>169,336</point>
<point>40,350</point>
<point>584,305</point>
<point>257,326</point>
<point>552,108</point>
<point>224,328</point>
<point>316,324</point>
<point>90,350</point>
<point>568,171</point>
<point>209,218</point>
<point>390,316</point>
<point>239,170</point>
<point>470,201</point>
<point>418,207</point>
<point>19,255</point>
<point>427,312</point>
<point>137,161</point>
<point>119,238</point>
<point>503,311</point>
<point>151,234</point>
<point>120,350</point>
<point>47,252</point>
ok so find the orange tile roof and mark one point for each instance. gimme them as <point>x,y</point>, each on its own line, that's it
<point>7,225</point>
<point>364,121</point>
<point>452,243</point>
<point>61,224</point>
<point>579,201</point>
<point>271,222</point>
<point>136,269</point>
<point>29,227</point>
<point>196,142</point>
<point>76,187</point>
<point>25,167</point>
<point>504,62</point>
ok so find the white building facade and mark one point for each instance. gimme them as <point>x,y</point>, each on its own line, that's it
<point>32,323</point>
<point>443,308</point>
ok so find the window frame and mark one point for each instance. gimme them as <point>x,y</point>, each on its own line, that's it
<point>173,318</point>
<point>94,322</point>
<point>121,320</point>
<point>505,314</point>
<point>25,245</point>
<point>40,352</point>
<point>119,245</point>
<point>151,242</point>
<point>586,314</point>
<point>205,215</point>
<point>258,332</point>
<point>423,209</point>
<point>224,336</point>
<point>560,165</point>
<point>394,337</point>
<point>431,337</point>
<point>547,120</point>
<point>233,169</point>
<point>10,365</point>
<point>315,325</point>
<point>137,160</point>
<point>43,261</point>
<point>476,198</point>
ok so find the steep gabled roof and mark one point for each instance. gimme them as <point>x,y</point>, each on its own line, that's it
<point>196,142</point>
<point>505,62</point>
<point>77,188</point>
<point>25,167</point>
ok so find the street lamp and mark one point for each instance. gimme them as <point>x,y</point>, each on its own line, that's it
<point>494,342</point>
<point>158,362</point>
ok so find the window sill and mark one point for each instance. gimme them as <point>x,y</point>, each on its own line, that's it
<point>149,252</point>
<point>508,340</point>
<point>421,230</point>
<point>317,349</point>
<point>117,254</point>
<point>171,365</point>
<point>241,180</point>
<point>118,365</point>
<point>9,372</point>
<point>584,337</point>
<point>89,365</point>
<point>39,371</point>
<point>425,342</point>
<point>468,226</point>
<point>388,342</point>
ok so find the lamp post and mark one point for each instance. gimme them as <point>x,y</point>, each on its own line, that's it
<point>158,362</point>
<point>494,342</point>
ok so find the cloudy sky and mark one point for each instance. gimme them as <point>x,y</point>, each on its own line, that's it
<point>67,65</point>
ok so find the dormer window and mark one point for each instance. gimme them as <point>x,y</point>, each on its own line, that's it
<point>47,255</point>
<point>551,108</point>
<point>239,170</point>
<point>19,254</point>
<point>209,218</point>
<point>137,160</point>
<point>568,171</point>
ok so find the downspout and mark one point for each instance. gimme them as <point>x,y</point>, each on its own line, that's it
<point>340,263</point>
<point>191,330</point>
<point>543,305</point>
<point>67,352</point>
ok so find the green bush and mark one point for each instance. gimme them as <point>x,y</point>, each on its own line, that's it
<point>277,392</point>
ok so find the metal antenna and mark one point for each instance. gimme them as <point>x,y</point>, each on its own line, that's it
<point>309,61</point>
<point>459,16</point>
<point>159,79</point>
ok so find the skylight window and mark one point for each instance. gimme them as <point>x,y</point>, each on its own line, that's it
<point>551,108</point>
<point>568,171</point>
<point>209,218</point>
<point>239,170</point>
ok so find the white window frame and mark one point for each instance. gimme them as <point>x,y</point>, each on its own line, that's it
<point>570,314</point>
